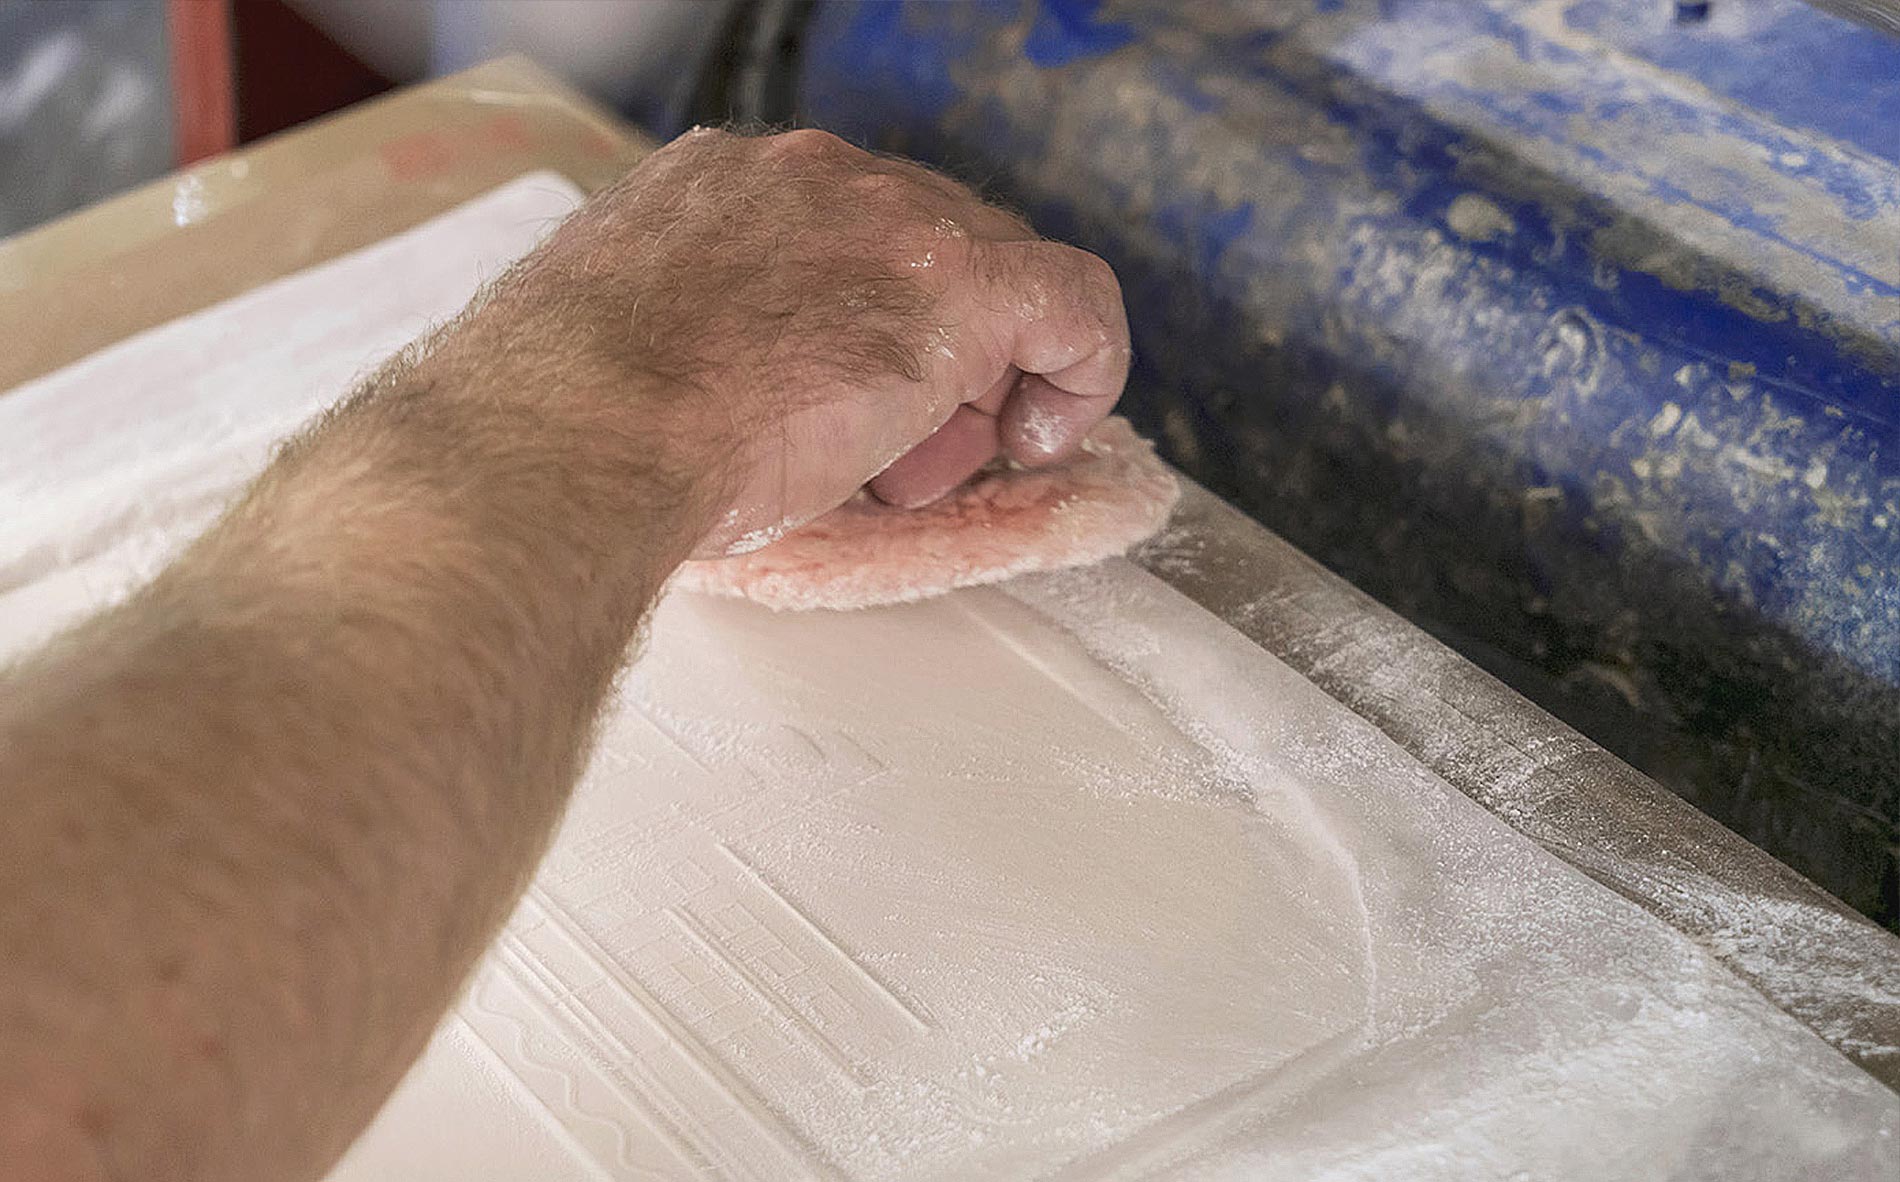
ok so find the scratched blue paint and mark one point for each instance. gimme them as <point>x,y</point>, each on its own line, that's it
<point>1379,300</point>
<point>1440,18</point>
<point>1182,85</point>
<point>1070,30</point>
<point>883,33</point>
<point>1203,230</point>
<point>1848,77</point>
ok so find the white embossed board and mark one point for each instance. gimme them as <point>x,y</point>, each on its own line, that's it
<point>1063,879</point>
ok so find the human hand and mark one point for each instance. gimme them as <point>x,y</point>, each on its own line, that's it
<point>399,639</point>
<point>803,317</point>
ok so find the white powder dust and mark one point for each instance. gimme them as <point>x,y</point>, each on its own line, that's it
<point>1068,880</point>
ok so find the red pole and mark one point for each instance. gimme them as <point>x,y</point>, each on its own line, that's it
<point>204,108</point>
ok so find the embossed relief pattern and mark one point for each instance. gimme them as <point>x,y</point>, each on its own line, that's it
<point>733,960</point>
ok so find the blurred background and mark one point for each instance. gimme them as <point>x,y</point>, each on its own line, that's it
<point>98,95</point>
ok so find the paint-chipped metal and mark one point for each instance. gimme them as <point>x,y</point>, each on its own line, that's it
<point>1533,319</point>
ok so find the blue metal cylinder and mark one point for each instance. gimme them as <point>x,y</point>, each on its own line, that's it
<point>1570,331</point>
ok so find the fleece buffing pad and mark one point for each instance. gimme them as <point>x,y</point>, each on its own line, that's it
<point>1008,521</point>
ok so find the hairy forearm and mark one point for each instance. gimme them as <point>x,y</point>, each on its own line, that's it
<point>264,815</point>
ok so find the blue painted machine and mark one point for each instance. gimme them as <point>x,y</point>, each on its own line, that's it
<point>1570,328</point>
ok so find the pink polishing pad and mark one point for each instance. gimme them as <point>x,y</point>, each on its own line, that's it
<point>1111,494</point>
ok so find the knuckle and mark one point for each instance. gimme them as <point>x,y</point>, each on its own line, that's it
<point>880,185</point>
<point>695,139</point>
<point>1094,272</point>
<point>1007,220</point>
<point>925,177</point>
<point>807,142</point>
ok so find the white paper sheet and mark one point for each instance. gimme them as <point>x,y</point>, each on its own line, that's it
<point>1063,879</point>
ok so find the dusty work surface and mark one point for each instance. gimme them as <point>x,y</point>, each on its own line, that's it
<point>224,226</point>
<point>1065,878</point>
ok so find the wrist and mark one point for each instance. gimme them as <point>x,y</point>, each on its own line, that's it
<point>538,384</point>
<point>589,453</point>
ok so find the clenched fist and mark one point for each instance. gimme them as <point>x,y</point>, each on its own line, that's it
<point>800,317</point>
